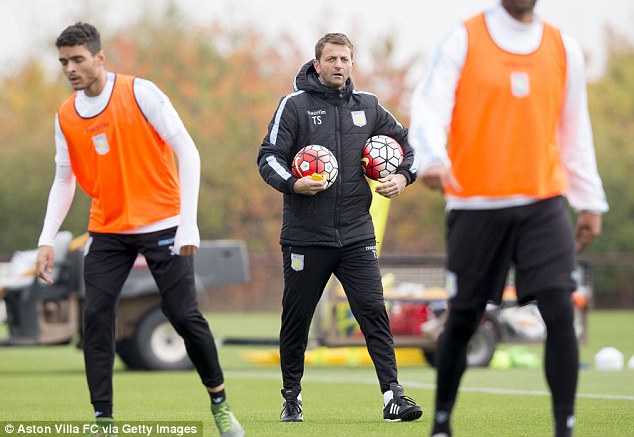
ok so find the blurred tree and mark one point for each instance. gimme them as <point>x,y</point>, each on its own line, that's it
<point>226,84</point>
<point>27,104</point>
<point>612,107</point>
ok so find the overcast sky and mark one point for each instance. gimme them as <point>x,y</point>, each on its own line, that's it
<point>29,27</point>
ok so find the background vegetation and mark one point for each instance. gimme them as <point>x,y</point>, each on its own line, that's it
<point>226,85</point>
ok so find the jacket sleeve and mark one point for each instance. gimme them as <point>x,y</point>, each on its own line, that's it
<point>274,155</point>
<point>388,125</point>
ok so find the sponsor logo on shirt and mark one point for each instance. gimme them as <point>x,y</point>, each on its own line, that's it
<point>101,126</point>
<point>315,116</point>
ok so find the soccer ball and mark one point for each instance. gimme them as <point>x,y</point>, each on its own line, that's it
<point>381,156</point>
<point>318,160</point>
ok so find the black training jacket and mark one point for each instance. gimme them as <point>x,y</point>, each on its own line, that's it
<point>342,121</point>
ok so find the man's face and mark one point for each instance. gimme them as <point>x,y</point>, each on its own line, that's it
<point>335,65</point>
<point>82,68</point>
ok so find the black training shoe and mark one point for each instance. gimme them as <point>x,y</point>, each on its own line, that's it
<point>292,411</point>
<point>401,408</point>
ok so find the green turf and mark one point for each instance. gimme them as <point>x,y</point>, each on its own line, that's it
<point>48,384</point>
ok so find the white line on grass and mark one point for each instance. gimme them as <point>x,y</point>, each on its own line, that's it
<point>499,391</point>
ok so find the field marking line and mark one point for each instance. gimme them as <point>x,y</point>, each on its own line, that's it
<point>422,385</point>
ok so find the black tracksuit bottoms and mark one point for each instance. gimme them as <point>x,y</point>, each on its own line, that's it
<point>307,270</point>
<point>107,262</point>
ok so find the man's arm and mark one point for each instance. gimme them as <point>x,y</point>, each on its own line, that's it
<point>187,238</point>
<point>275,150</point>
<point>575,137</point>
<point>160,113</point>
<point>586,194</point>
<point>432,107</point>
<point>59,201</point>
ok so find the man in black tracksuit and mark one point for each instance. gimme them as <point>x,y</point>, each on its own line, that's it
<point>328,231</point>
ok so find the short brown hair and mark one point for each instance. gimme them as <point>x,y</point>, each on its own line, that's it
<point>80,34</point>
<point>333,38</point>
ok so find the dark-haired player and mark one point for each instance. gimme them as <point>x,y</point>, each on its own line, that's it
<point>117,136</point>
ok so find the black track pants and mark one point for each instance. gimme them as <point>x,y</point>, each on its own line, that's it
<point>306,273</point>
<point>107,263</point>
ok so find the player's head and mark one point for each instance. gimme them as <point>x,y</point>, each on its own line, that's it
<point>80,34</point>
<point>333,38</point>
<point>333,59</point>
<point>81,58</point>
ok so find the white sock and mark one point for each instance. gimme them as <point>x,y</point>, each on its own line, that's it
<point>387,397</point>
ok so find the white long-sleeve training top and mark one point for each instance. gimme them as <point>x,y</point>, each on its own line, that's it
<point>434,98</point>
<point>161,114</point>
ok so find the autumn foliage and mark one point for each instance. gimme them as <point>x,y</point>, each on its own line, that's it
<point>226,85</point>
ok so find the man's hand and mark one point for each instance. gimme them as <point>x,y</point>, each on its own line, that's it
<point>438,176</point>
<point>188,250</point>
<point>391,185</point>
<point>44,263</point>
<point>309,186</point>
<point>588,228</point>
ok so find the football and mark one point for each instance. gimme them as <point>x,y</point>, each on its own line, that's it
<point>316,160</point>
<point>381,156</point>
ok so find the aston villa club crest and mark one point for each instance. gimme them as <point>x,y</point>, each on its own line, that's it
<point>358,118</point>
<point>297,262</point>
<point>520,84</point>
<point>101,144</point>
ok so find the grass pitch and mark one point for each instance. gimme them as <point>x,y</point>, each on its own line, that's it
<point>48,384</point>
